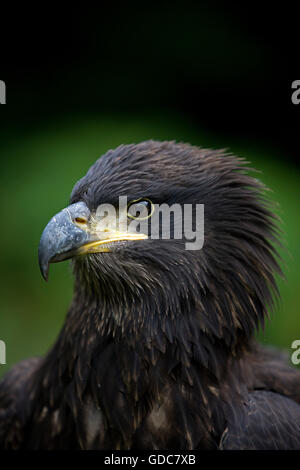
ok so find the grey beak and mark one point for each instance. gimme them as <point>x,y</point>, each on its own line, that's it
<point>62,237</point>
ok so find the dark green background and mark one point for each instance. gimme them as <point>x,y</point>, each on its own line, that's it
<point>86,81</point>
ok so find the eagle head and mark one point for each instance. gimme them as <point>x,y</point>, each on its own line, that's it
<point>224,280</point>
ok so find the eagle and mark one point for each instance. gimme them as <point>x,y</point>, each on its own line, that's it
<point>158,348</point>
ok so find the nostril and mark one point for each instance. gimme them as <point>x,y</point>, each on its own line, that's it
<point>80,220</point>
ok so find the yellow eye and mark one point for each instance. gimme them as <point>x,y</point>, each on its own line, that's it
<point>140,209</point>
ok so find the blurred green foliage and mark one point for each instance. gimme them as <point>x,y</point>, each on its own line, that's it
<point>39,168</point>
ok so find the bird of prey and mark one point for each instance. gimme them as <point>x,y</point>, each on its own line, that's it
<point>157,350</point>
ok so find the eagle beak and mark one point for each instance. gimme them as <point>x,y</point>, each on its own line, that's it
<point>68,234</point>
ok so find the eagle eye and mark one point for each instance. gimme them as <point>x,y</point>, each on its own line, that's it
<point>140,209</point>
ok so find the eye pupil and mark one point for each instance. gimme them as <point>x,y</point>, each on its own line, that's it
<point>142,209</point>
<point>145,204</point>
